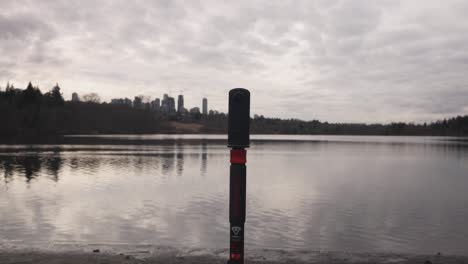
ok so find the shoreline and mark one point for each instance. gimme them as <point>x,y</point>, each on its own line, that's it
<point>152,254</point>
<point>93,137</point>
<point>158,139</point>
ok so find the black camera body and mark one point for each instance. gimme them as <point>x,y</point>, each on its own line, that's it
<point>239,118</point>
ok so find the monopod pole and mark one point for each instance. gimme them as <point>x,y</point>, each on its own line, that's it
<point>238,140</point>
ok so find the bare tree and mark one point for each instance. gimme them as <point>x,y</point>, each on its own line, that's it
<point>145,98</point>
<point>92,98</point>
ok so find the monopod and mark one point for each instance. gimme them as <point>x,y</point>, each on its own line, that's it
<point>238,141</point>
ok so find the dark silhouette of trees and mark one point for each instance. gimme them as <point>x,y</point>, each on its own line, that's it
<point>214,122</point>
<point>138,102</point>
<point>31,96</point>
<point>29,113</point>
<point>91,98</point>
<point>457,126</point>
<point>54,97</point>
<point>86,118</point>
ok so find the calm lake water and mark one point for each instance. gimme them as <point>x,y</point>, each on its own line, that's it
<point>339,193</point>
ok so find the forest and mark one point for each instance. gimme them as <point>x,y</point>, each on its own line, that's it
<point>31,113</point>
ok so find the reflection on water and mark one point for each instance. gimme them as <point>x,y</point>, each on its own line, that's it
<point>313,193</point>
<point>30,166</point>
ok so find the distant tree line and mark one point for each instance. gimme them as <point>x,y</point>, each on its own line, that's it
<point>457,126</point>
<point>30,112</point>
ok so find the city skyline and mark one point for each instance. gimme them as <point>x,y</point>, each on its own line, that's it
<point>76,97</point>
<point>340,61</point>
<point>166,105</point>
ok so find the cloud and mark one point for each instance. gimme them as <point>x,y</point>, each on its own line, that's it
<point>340,60</point>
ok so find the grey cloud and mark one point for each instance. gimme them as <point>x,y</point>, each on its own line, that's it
<point>337,60</point>
<point>21,29</point>
<point>26,39</point>
<point>352,18</point>
<point>15,27</point>
<point>451,102</point>
<point>5,74</point>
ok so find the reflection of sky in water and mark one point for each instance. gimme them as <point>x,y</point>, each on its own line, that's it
<point>345,196</point>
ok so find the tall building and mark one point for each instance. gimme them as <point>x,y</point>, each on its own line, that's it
<point>165,103</point>
<point>205,106</point>
<point>122,101</point>
<point>155,104</point>
<point>171,104</point>
<point>168,104</point>
<point>75,97</point>
<point>180,104</point>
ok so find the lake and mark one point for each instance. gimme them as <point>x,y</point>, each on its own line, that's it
<point>337,193</point>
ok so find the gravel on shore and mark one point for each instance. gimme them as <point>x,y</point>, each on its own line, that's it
<point>173,256</point>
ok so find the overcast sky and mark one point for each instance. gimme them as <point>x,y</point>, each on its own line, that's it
<point>338,61</point>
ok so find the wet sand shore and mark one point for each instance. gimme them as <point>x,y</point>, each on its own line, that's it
<point>214,257</point>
